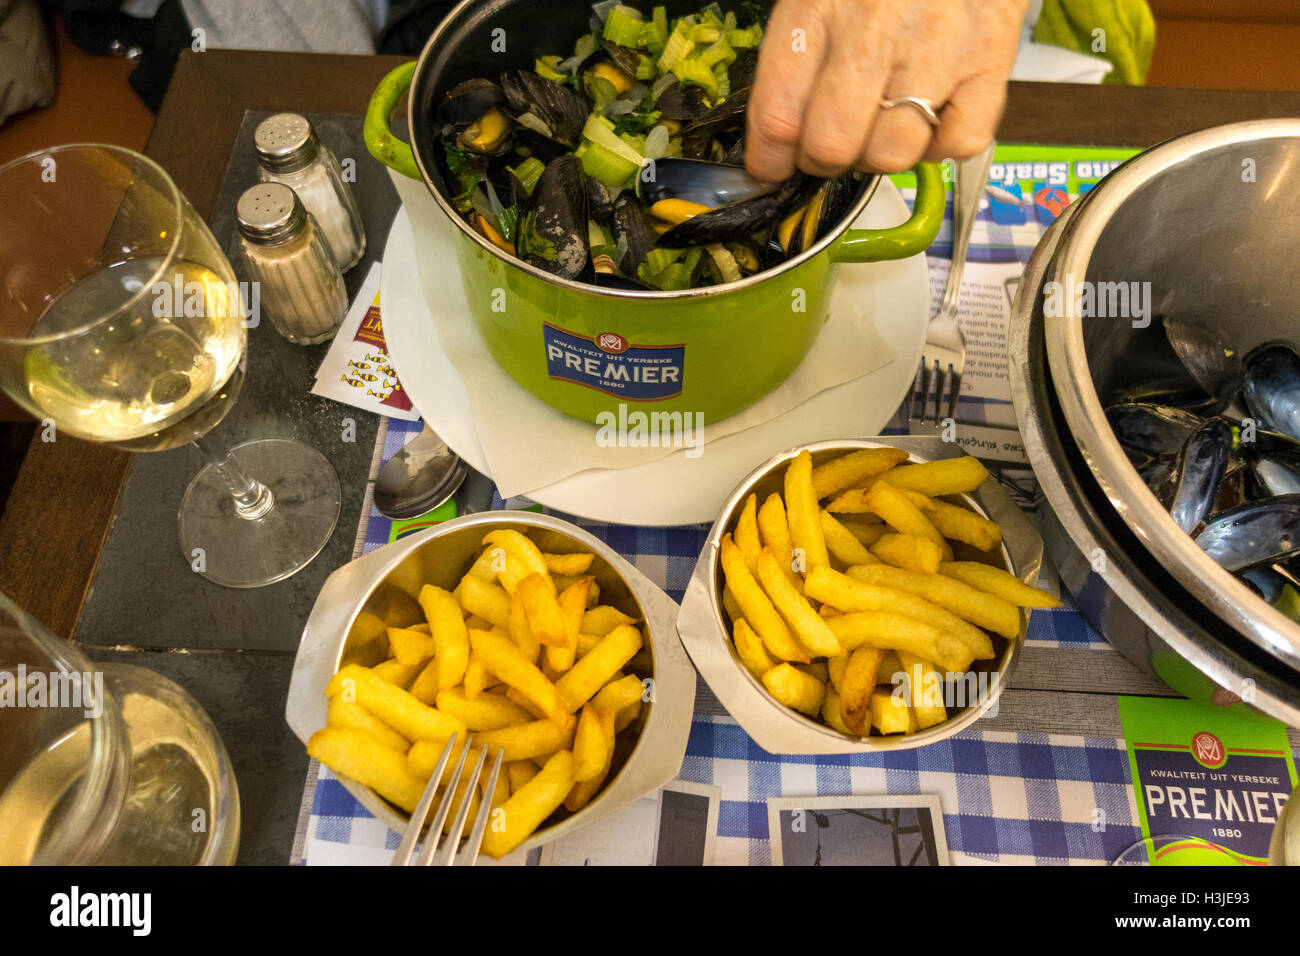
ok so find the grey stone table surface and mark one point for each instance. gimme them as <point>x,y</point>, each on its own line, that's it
<point>233,649</point>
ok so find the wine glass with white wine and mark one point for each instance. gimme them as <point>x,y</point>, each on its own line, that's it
<point>121,322</point>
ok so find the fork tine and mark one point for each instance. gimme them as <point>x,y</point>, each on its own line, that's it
<point>403,855</point>
<point>955,377</point>
<point>469,855</point>
<point>430,845</point>
<point>447,855</point>
<point>925,387</point>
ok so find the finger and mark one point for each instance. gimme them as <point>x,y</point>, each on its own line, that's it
<point>841,111</point>
<point>789,59</point>
<point>902,133</point>
<point>969,119</point>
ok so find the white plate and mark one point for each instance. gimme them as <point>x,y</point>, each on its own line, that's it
<point>673,490</point>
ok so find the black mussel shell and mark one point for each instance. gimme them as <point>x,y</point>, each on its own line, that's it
<point>1258,533</point>
<point>1271,464</point>
<point>735,154</point>
<point>600,201</point>
<point>1179,394</point>
<point>555,239</point>
<point>630,226</point>
<point>829,204</point>
<point>727,117</point>
<point>740,220</point>
<point>1271,388</point>
<point>1147,429</point>
<point>681,103</point>
<point>1194,479</point>
<point>625,58</point>
<point>1208,357</point>
<point>562,110</point>
<point>467,102</point>
<point>741,72</point>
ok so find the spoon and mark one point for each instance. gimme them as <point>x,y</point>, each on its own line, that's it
<point>697,181</point>
<point>418,478</point>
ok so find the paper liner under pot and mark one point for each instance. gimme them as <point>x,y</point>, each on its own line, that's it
<point>775,727</point>
<point>440,556</point>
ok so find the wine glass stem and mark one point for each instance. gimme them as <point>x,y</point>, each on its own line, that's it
<point>252,498</point>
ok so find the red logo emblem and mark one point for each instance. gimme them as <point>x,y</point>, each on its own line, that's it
<point>1209,750</point>
<point>611,342</point>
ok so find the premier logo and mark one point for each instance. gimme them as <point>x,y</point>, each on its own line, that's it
<point>74,909</point>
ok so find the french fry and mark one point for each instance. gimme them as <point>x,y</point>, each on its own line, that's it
<point>530,805</point>
<point>618,695</point>
<point>848,594</point>
<point>926,685</point>
<point>835,668</point>
<point>811,630</point>
<point>602,619</point>
<point>867,528</point>
<point>774,533</point>
<point>1001,583</point>
<point>593,744</point>
<point>394,706</point>
<point>850,502</point>
<point>854,469</point>
<point>565,581</point>
<point>514,694</point>
<point>573,605</point>
<point>522,559</point>
<point>502,658</point>
<point>886,630</point>
<point>980,608</point>
<point>590,674</point>
<point>731,605</point>
<point>817,669</point>
<point>449,634</point>
<point>425,687</point>
<point>349,715</point>
<point>521,633</point>
<point>537,738</point>
<point>856,688</point>
<point>750,648</point>
<point>485,599</point>
<point>396,673</point>
<point>831,712</point>
<point>477,677</point>
<point>362,757</point>
<point>891,716</point>
<point>907,551</point>
<point>756,608</point>
<point>948,476</point>
<point>746,534</point>
<point>545,619</point>
<point>803,513</point>
<point>572,564</point>
<point>484,712</point>
<point>962,524</point>
<point>520,772</point>
<point>842,544</point>
<point>796,689</point>
<point>626,715</point>
<point>902,515</point>
<point>890,666</point>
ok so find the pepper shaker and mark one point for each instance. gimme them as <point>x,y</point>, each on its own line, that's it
<point>300,287</point>
<point>288,152</point>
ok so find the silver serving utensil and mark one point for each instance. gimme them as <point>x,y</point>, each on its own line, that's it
<point>418,478</point>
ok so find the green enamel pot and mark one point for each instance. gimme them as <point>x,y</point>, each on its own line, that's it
<point>585,350</point>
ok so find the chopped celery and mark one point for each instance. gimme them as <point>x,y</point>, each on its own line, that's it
<point>678,46</point>
<point>600,131</point>
<point>507,218</point>
<point>675,277</point>
<point>657,260</point>
<point>623,26</point>
<point>694,71</point>
<point>645,69</point>
<point>600,163</point>
<point>528,172</point>
<point>546,66</point>
<point>724,80</point>
<point>744,39</point>
<point>720,52</point>
<point>459,167</point>
<point>602,91</point>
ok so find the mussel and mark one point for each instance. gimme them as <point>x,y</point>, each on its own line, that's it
<point>474,108</point>
<point>1147,429</point>
<point>552,232</point>
<point>828,205</point>
<point>545,106</point>
<point>1193,481</point>
<point>708,184</point>
<point>1208,357</point>
<point>1271,388</point>
<point>632,233</point>
<point>1257,533</point>
<point>1272,464</point>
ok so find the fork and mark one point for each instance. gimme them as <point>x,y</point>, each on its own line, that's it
<point>945,346</point>
<point>446,855</point>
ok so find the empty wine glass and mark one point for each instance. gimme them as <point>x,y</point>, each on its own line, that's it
<point>121,322</point>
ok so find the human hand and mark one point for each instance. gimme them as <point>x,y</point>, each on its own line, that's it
<point>825,65</point>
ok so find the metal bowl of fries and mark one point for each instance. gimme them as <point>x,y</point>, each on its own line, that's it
<point>408,642</point>
<point>807,657</point>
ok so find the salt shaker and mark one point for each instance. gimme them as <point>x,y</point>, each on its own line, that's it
<point>288,152</point>
<point>299,284</point>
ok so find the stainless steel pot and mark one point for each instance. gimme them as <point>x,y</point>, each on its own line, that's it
<point>1209,247</point>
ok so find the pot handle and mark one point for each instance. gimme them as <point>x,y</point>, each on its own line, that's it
<point>381,142</point>
<point>907,239</point>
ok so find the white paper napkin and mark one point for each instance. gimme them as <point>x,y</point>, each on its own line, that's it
<point>529,445</point>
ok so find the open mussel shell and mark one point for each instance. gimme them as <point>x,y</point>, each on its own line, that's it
<point>1179,393</point>
<point>466,102</point>
<point>562,111</point>
<point>1278,585</point>
<point>802,228</point>
<point>1147,429</point>
<point>698,181</point>
<point>727,117</point>
<point>1272,464</point>
<point>1271,388</point>
<point>1208,357</point>
<point>1257,533</point>
<point>553,231</point>
<point>1193,482</point>
<point>684,104</point>
<point>739,220</point>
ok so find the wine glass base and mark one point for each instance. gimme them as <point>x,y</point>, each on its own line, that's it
<point>250,553</point>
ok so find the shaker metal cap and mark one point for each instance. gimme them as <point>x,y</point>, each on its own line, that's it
<point>270,213</point>
<point>285,142</point>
